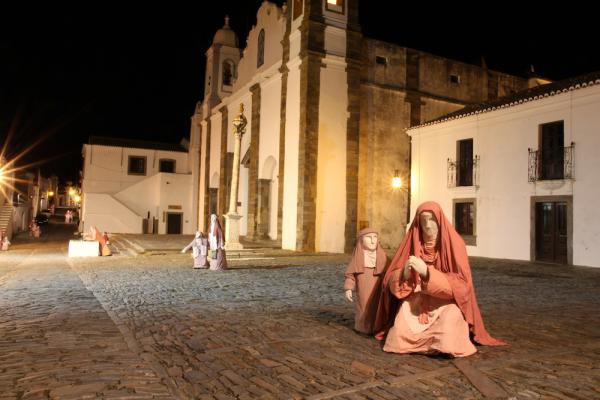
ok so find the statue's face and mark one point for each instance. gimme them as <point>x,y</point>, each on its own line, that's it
<point>369,241</point>
<point>429,225</point>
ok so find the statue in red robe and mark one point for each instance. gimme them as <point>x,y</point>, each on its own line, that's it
<point>429,303</point>
<point>363,275</point>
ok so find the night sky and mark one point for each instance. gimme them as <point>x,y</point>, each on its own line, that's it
<point>68,73</point>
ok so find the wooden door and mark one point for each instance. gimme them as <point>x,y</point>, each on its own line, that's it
<point>551,232</point>
<point>174,223</point>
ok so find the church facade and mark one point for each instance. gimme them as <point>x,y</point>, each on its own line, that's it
<point>327,112</point>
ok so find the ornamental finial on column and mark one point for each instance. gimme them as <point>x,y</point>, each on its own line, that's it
<point>240,121</point>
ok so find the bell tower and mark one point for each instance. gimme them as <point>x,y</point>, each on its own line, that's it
<point>222,59</point>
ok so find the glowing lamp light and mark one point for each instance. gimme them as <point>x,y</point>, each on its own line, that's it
<point>72,192</point>
<point>77,199</point>
<point>50,194</point>
<point>396,181</point>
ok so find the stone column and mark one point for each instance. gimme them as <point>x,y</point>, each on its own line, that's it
<point>232,218</point>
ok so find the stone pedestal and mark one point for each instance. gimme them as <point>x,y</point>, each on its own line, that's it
<point>84,248</point>
<point>232,231</point>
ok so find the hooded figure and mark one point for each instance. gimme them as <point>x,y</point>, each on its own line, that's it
<point>199,246</point>
<point>363,275</point>
<point>429,303</point>
<point>4,242</point>
<point>216,242</point>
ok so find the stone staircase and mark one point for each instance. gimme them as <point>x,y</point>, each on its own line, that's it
<point>6,218</point>
<point>120,245</point>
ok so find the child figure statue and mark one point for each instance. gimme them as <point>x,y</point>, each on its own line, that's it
<point>199,248</point>
<point>364,275</point>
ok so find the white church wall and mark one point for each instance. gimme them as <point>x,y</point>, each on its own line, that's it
<point>202,191</point>
<point>331,163</point>
<point>246,99</point>
<point>270,18</point>
<point>194,166</point>
<point>233,108</point>
<point>292,127</point>
<point>270,117</point>
<point>215,146</point>
<point>503,198</point>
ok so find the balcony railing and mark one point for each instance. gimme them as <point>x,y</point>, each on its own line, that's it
<point>542,168</point>
<point>463,173</point>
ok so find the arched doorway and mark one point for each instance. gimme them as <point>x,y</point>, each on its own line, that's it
<point>265,198</point>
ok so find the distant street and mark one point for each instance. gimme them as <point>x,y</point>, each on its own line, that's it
<point>150,327</point>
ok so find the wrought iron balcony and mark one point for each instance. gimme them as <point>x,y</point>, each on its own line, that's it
<point>463,172</point>
<point>558,165</point>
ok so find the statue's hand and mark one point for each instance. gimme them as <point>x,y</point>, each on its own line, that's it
<point>406,271</point>
<point>348,295</point>
<point>419,265</point>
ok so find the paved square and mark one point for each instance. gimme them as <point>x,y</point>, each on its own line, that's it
<point>152,327</point>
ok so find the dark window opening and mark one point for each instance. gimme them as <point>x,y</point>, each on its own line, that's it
<point>335,5</point>
<point>464,157</point>
<point>165,165</point>
<point>455,79</point>
<point>552,150</point>
<point>227,73</point>
<point>381,60</point>
<point>260,57</point>
<point>297,8</point>
<point>464,218</point>
<point>136,165</point>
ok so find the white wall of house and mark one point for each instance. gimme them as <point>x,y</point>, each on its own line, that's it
<point>585,121</point>
<point>116,201</point>
<point>109,214</point>
<point>105,167</point>
<point>503,199</point>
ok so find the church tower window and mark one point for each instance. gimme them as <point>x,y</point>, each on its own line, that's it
<point>227,73</point>
<point>336,5</point>
<point>260,56</point>
<point>297,8</point>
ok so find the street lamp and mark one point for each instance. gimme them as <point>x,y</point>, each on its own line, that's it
<point>396,180</point>
<point>77,199</point>
<point>72,192</point>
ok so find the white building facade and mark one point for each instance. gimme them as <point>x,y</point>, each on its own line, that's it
<point>520,177</point>
<point>133,186</point>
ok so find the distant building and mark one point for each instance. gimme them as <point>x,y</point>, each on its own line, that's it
<point>519,176</point>
<point>327,111</point>
<point>23,199</point>
<point>132,186</point>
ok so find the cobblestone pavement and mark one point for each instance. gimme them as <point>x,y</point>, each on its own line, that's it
<point>278,329</point>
